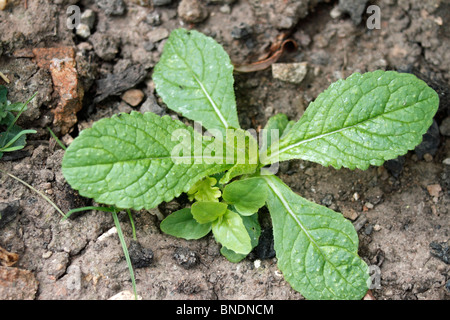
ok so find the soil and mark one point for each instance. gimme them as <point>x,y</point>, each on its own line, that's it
<point>401,209</point>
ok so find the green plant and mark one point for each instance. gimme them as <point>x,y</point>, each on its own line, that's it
<point>13,138</point>
<point>136,161</point>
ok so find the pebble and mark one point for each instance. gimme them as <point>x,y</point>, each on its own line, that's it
<point>111,7</point>
<point>83,31</point>
<point>428,157</point>
<point>47,254</point>
<point>355,8</point>
<point>140,257</point>
<point>153,18</point>
<point>444,128</point>
<point>242,31</point>
<point>88,18</point>
<point>192,11</point>
<point>105,47</point>
<point>434,189</point>
<point>133,97</point>
<point>125,295</point>
<point>226,9</point>
<point>150,105</point>
<point>186,257</point>
<point>446,161</point>
<point>350,213</point>
<point>160,3</point>
<point>157,35</point>
<point>290,72</point>
<point>327,200</point>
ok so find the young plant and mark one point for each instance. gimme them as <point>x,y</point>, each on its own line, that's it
<point>136,161</point>
<point>13,138</point>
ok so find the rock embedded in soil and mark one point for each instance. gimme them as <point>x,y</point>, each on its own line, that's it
<point>160,3</point>
<point>290,72</point>
<point>186,257</point>
<point>105,46</point>
<point>114,84</point>
<point>133,97</point>
<point>111,7</point>
<point>355,8</point>
<point>140,257</point>
<point>441,250</point>
<point>192,11</point>
<point>8,212</point>
<point>17,284</point>
<point>444,128</point>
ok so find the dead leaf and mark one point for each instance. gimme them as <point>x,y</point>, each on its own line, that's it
<point>276,50</point>
<point>8,259</point>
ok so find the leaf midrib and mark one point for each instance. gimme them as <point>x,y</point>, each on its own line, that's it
<point>323,135</point>
<point>210,99</point>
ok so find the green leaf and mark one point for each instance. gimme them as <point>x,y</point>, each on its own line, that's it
<point>14,139</point>
<point>195,78</point>
<point>361,121</point>
<point>253,228</point>
<point>135,161</point>
<point>229,230</point>
<point>247,195</point>
<point>205,190</point>
<point>242,150</point>
<point>278,123</point>
<point>316,247</point>
<point>181,224</point>
<point>205,212</point>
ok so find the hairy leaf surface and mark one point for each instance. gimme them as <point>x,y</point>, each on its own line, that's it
<point>195,78</point>
<point>127,161</point>
<point>317,248</point>
<point>361,121</point>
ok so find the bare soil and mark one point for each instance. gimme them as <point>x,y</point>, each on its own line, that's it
<point>399,209</point>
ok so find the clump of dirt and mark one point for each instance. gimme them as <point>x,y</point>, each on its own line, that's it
<point>400,209</point>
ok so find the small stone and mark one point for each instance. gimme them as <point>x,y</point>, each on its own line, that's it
<point>369,205</point>
<point>290,72</point>
<point>111,7</point>
<point>186,257</point>
<point>349,213</point>
<point>444,128</point>
<point>153,18</point>
<point>133,97</point>
<point>368,229</point>
<point>8,212</point>
<point>192,11</point>
<point>88,18</point>
<point>106,47</point>
<point>327,200</point>
<point>335,13</point>
<point>377,227</point>
<point>47,254</point>
<point>125,295</point>
<point>441,250</point>
<point>157,35</point>
<point>355,8</point>
<point>356,196</point>
<point>160,3</point>
<point>257,263</point>
<point>446,161</point>
<point>434,189</point>
<point>226,9</point>
<point>140,257</point>
<point>150,105</point>
<point>17,284</point>
<point>428,157</point>
<point>242,31</point>
<point>83,31</point>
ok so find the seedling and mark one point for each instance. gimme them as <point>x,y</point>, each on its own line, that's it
<point>137,161</point>
<point>13,138</point>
